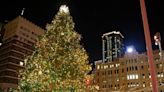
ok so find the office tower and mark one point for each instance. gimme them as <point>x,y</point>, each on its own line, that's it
<point>1,32</point>
<point>18,41</point>
<point>112,46</point>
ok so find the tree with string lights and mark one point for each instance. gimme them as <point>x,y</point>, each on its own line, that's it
<point>59,62</point>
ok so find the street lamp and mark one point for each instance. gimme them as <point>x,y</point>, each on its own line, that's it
<point>130,49</point>
<point>157,39</point>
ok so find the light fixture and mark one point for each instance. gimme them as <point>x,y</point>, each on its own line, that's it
<point>130,49</point>
<point>21,63</point>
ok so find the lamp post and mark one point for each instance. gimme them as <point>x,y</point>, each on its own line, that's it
<point>87,85</point>
<point>157,39</point>
<point>148,46</point>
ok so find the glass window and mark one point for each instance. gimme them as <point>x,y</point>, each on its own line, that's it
<point>98,66</point>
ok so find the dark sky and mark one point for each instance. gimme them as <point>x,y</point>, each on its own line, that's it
<point>93,18</point>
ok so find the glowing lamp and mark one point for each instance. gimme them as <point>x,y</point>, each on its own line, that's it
<point>130,49</point>
<point>87,81</point>
<point>155,37</point>
<point>21,63</point>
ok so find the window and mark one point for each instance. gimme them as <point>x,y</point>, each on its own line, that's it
<point>98,73</point>
<point>105,66</point>
<point>21,63</point>
<point>157,66</point>
<point>108,72</point>
<point>102,73</point>
<point>117,65</point>
<point>98,67</point>
<point>161,74</point>
<point>141,61</point>
<point>117,71</point>
<point>136,76</point>
<point>111,66</point>
<point>150,84</point>
<point>132,68</point>
<point>149,75</point>
<point>143,75</point>
<point>136,68</point>
<point>144,85</point>
<point>160,65</point>
<point>135,60</point>
<point>122,70</point>
<point>158,74</point>
<point>132,76</point>
<point>97,80</point>
<point>142,67</point>
<point>128,77</point>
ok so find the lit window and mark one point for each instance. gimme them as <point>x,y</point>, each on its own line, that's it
<point>141,61</point>
<point>127,77</point>
<point>144,84</point>
<point>102,67</point>
<point>98,66</point>
<point>161,74</point>
<point>136,76</point>
<point>158,74</point>
<point>128,85</point>
<point>117,65</point>
<point>117,79</point>
<point>143,75</point>
<point>130,77</point>
<point>105,66</point>
<point>21,63</point>
<point>111,66</point>
<point>150,84</point>
<point>133,76</point>
<point>149,75</point>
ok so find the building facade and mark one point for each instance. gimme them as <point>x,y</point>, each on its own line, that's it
<point>112,46</point>
<point>18,41</point>
<point>1,32</point>
<point>130,73</point>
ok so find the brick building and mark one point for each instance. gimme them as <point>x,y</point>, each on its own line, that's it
<point>129,73</point>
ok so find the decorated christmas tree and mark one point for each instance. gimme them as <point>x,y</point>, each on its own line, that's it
<point>59,62</point>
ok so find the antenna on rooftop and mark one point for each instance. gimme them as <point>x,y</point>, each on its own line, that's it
<point>22,11</point>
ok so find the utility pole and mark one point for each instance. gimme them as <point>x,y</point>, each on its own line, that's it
<point>149,46</point>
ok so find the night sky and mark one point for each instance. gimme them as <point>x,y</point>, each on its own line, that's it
<point>93,18</point>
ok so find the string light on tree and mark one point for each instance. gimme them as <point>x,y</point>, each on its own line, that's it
<point>59,60</point>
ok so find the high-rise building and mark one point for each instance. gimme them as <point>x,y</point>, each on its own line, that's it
<point>1,32</point>
<point>130,73</point>
<point>18,41</point>
<point>112,46</point>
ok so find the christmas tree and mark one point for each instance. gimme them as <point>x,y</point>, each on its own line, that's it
<point>59,61</point>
